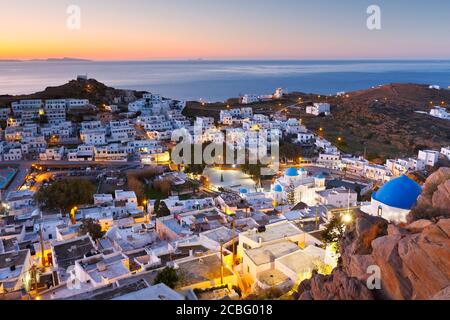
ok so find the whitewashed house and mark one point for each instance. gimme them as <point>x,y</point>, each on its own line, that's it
<point>337,197</point>
<point>52,154</point>
<point>249,98</point>
<point>446,152</point>
<point>429,157</point>
<point>318,109</point>
<point>306,137</point>
<point>440,112</point>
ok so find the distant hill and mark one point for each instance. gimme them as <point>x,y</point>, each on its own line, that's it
<point>384,120</point>
<point>65,59</point>
<point>380,121</point>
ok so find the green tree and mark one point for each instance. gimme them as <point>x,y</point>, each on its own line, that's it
<point>195,169</point>
<point>162,211</point>
<point>168,276</point>
<point>65,194</point>
<point>92,228</point>
<point>334,231</point>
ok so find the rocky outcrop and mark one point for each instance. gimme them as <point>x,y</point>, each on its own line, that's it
<point>338,286</point>
<point>435,198</point>
<point>413,261</point>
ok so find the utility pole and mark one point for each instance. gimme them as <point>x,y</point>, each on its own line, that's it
<point>234,233</point>
<point>41,239</point>
<point>221,262</point>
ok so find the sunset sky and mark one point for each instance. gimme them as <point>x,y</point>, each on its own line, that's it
<point>232,29</point>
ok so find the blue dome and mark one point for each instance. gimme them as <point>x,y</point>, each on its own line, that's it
<point>291,172</point>
<point>243,190</point>
<point>401,193</point>
<point>277,188</point>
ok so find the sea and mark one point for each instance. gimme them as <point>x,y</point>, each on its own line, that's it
<point>213,81</point>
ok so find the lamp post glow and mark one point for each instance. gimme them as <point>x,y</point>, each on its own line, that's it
<point>347,218</point>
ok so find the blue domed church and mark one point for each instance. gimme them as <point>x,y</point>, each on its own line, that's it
<point>303,185</point>
<point>394,200</point>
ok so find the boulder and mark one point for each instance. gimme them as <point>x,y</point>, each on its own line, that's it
<point>441,198</point>
<point>358,239</point>
<point>414,263</point>
<point>426,260</point>
<point>418,226</point>
<point>444,294</point>
<point>394,285</point>
<point>338,286</point>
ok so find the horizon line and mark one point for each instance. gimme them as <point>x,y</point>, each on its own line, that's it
<point>70,59</point>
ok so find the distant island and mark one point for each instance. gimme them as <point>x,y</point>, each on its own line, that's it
<point>65,59</point>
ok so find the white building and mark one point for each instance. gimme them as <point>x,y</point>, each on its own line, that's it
<point>377,172</point>
<point>205,122</point>
<point>446,152</point>
<point>429,157</point>
<point>318,109</point>
<point>94,137</point>
<point>279,93</point>
<point>55,110</point>
<point>100,199</point>
<point>305,137</point>
<point>19,106</point>
<point>337,197</point>
<point>111,152</point>
<point>122,131</point>
<point>330,160</point>
<point>100,270</point>
<point>354,165</point>
<point>52,154</point>
<point>402,166</point>
<point>394,200</point>
<point>13,154</point>
<point>77,103</point>
<point>226,118</point>
<point>81,153</point>
<point>15,271</point>
<point>127,196</point>
<point>16,201</point>
<point>440,112</point>
<point>249,98</point>
<point>298,182</point>
<point>4,113</point>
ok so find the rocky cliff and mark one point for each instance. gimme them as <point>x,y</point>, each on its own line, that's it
<point>413,259</point>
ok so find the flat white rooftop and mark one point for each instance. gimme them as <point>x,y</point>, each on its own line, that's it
<point>273,232</point>
<point>269,253</point>
<point>303,260</point>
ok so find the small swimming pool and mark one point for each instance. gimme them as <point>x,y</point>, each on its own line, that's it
<point>6,176</point>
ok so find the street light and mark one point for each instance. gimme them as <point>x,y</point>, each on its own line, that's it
<point>347,218</point>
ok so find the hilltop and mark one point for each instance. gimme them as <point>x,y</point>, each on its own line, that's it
<point>381,120</point>
<point>385,120</point>
<point>91,89</point>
